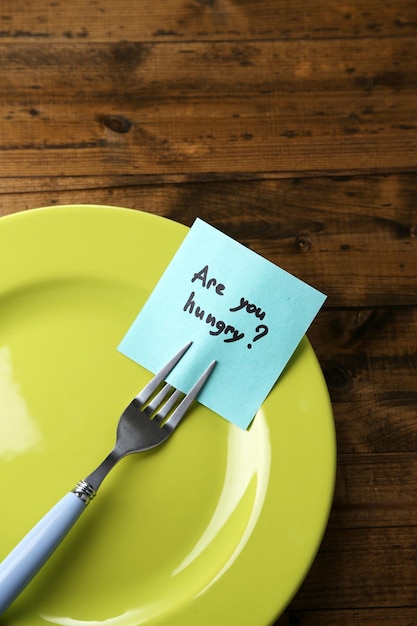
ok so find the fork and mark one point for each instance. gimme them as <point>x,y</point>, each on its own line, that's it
<point>147,421</point>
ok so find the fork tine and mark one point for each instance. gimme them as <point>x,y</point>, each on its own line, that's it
<point>183,407</point>
<point>157,400</point>
<point>154,383</point>
<point>165,409</point>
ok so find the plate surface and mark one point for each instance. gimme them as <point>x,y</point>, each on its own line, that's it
<point>218,527</point>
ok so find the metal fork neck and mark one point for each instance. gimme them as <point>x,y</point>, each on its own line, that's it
<point>99,474</point>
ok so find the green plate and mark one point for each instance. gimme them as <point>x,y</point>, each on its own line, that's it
<point>218,527</point>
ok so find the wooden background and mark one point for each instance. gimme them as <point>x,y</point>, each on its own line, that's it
<point>291,126</point>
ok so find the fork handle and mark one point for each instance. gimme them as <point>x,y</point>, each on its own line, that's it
<point>26,559</point>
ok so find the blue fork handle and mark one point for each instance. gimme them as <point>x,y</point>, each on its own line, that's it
<point>26,559</point>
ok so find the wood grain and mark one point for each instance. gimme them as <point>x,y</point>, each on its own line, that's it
<point>375,491</point>
<point>139,108</point>
<point>404,616</point>
<point>354,554</point>
<point>292,127</point>
<point>178,20</point>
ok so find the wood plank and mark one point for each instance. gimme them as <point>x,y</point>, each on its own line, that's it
<point>378,424</point>
<point>361,616</point>
<point>364,567</point>
<point>375,491</point>
<point>275,106</point>
<point>383,335</point>
<point>321,229</point>
<point>369,360</point>
<point>200,19</point>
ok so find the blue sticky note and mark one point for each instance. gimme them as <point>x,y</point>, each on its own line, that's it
<point>237,308</point>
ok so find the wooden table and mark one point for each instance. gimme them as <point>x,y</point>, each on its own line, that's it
<point>291,126</point>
